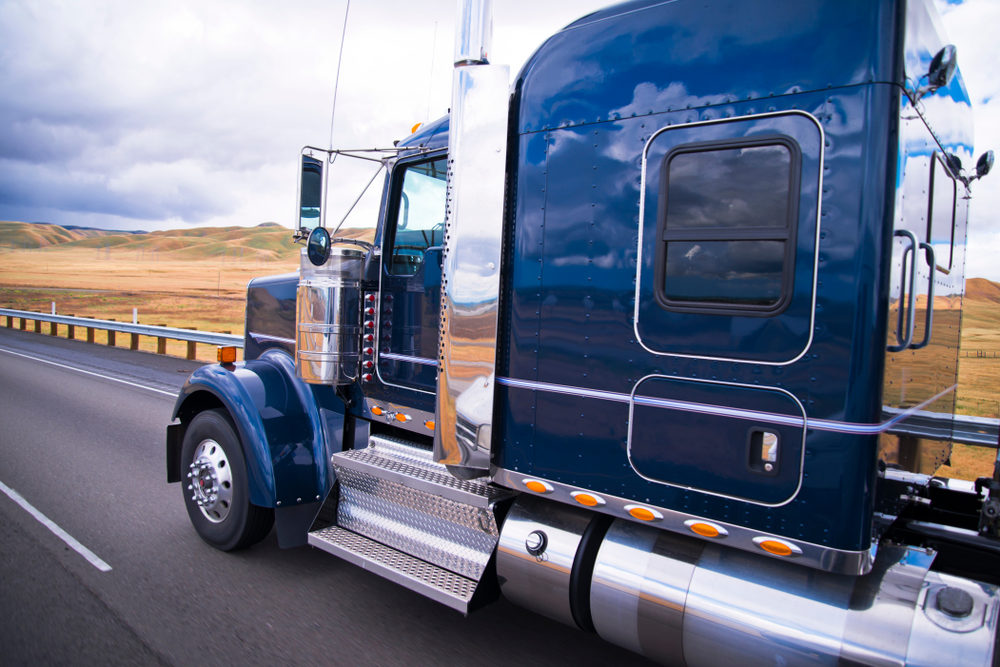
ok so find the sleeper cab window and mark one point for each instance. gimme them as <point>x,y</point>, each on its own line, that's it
<point>726,226</point>
<point>419,215</point>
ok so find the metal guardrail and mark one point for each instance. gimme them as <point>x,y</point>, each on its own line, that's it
<point>977,431</point>
<point>191,336</point>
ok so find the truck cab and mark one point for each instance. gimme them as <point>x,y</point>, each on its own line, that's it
<point>660,339</point>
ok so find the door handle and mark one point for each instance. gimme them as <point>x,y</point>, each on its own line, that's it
<point>907,302</point>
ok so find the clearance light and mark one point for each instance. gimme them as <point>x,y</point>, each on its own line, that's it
<point>777,547</point>
<point>705,529</point>
<point>226,355</point>
<point>377,411</point>
<point>402,418</point>
<point>588,499</point>
<point>538,486</point>
<point>430,424</point>
<point>643,513</point>
<point>416,127</point>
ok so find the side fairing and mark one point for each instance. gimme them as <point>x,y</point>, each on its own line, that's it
<point>604,387</point>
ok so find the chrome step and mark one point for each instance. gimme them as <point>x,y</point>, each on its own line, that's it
<point>396,460</point>
<point>396,512</point>
<point>434,582</point>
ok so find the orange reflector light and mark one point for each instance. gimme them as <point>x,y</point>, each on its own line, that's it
<point>588,499</point>
<point>705,529</point>
<point>430,424</point>
<point>400,417</point>
<point>538,486</point>
<point>643,513</point>
<point>226,355</point>
<point>376,410</point>
<point>777,547</point>
<point>415,128</point>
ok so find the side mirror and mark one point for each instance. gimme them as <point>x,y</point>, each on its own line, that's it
<point>310,194</point>
<point>942,67</point>
<point>318,246</point>
<point>941,71</point>
<point>985,164</point>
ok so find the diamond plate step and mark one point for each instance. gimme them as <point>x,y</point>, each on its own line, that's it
<point>434,582</point>
<point>387,458</point>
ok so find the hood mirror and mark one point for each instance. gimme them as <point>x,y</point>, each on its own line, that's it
<point>318,246</point>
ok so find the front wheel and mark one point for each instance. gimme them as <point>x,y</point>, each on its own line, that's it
<point>216,492</point>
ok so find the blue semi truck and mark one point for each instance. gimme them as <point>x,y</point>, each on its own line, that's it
<point>659,340</point>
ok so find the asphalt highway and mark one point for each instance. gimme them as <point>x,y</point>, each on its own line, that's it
<point>126,581</point>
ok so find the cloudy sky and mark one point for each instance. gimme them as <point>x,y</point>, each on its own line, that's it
<point>153,114</point>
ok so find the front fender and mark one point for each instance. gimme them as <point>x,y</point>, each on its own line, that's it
<point>279,424</point>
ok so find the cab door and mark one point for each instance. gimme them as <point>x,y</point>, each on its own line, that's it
<point>411,274</point>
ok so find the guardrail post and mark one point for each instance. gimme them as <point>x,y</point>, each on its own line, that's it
<point>111,335</point>
<point>134,343</point>
<point>53,329</point>
<point>71,330</point>
<point>90,334</point>
<point>161,342</point>
<point>38,326</point>
<point>191,349</point>
<point>24,324</point>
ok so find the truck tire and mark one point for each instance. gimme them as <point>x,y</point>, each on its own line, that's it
<point>214,482</point>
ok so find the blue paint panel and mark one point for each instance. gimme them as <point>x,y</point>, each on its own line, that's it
<point>688,444</point>
<point>660,56</point>
<point>270,316</point>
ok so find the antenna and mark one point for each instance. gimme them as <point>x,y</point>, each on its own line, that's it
<point>336,81</point>
<point>430,77</point>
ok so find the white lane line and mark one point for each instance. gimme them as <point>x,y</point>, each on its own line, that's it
<point>172,394</point>
<point>91,557</point>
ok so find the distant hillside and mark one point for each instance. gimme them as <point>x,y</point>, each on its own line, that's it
<point>41,235</point>
<point>981,289</point>
<point>265,242</point>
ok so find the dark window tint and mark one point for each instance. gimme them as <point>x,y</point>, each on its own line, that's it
<point>419,219</point>
<point>726,226</point>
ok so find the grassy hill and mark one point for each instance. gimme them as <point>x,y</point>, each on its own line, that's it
<point>265,242</point>
<point>40,235</point>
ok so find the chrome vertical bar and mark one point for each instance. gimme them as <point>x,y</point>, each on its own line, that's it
<point>470,284</point>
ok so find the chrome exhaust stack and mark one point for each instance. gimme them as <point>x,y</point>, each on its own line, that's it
<point>470,285</point>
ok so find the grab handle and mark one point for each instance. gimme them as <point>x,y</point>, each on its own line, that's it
<point>929,318</point>
<point>907,302</point>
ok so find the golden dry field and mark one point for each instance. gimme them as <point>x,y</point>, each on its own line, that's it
<point>197,278</point>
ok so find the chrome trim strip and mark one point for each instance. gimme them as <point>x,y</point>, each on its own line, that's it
<point>410,360</point>
<point>819,206</point>
<point>827,425</point>
<point>813,555</point>
<point>259,337</point>
<point>716,410</point>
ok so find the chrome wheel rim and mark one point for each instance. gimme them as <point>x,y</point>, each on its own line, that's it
<point>210,481</point>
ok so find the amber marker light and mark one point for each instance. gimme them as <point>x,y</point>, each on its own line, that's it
<point>588,499</point>
<point>777,547</point>
<point>402,418</point>
<point>705,529</point>
<point>643,513</point>
<point>226,355</point>
<point>430,424</point>
<point>416,127</point>
<point>538,486</point>
<point>377,411</point>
